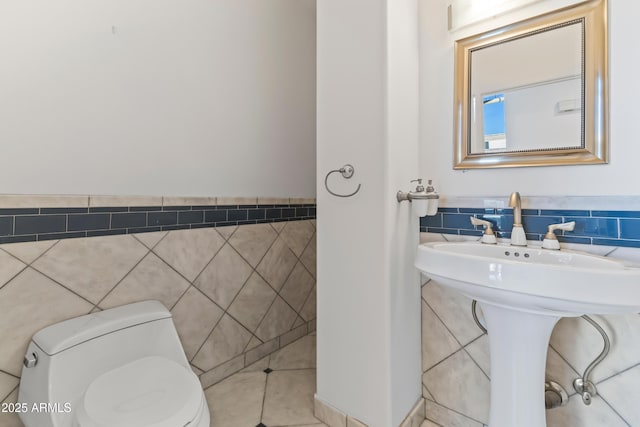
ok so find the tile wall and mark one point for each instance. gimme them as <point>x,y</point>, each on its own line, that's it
<point>90,217</point>
<point>236,292</point>
<point>593,226</point>
<point>455,358</point>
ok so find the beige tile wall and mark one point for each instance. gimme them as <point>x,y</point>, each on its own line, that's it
<point>236,293</point>
<point>455,358</point>
<point>80,201</point>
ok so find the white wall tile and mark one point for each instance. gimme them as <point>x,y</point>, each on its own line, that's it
<point>252,302</point>
<point>278,320</point>
<point>621,392</point>
<point>91,267</point>
<point>459,384</point>
<point>195,316</point>
<point>228,339</point>
<point>42,201</point>
<point>296,234</point>
<point>253,241</point>
<point>188,201</point>
<point>28,303</point>
<point>576,413</point>
<point>152,278</point>
<point>300,354</point>
<point>579,343</point>
<point>437,341</point>
<point>150,239</point>
<point>10,266</point>
<point>297,287</point>
<point>454,309</point>
<point>96,201</point>
<point>7,384</point>
<point>27,252</point>
<point>224,276</point>
<point>277,264</point>
<point>189,251</point>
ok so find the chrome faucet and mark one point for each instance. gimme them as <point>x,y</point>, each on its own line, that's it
<point>518,237</point>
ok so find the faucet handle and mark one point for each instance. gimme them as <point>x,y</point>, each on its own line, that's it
<point>550,240</point>
<point>488,236</point>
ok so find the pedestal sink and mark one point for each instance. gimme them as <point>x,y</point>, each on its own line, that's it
<point>523,292</point>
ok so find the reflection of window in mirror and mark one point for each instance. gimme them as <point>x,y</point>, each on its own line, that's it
<point>495,137</point>
<point>524,110</point>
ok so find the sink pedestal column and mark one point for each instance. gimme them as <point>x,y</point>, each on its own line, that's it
<point>518,342</point>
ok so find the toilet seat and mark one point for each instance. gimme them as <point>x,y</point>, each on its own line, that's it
<point>149,392</point>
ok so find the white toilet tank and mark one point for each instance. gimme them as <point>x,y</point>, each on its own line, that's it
<point>69,355</point>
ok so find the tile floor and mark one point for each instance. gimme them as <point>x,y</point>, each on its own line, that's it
<point>275,391</point>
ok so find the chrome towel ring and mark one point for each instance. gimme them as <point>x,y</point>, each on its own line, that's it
<point>347,172</point>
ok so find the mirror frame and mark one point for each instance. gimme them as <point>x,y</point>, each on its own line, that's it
<point>595,148</point>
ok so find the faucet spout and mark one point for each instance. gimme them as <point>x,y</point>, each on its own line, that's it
<point>518,236</point>
<point>515,203</point>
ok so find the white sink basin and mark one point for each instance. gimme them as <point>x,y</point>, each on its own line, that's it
<point>523,292</point>
<point>566,283</point>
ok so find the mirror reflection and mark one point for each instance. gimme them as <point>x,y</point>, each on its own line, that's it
<point>534,102</point>
<point>534,93</point>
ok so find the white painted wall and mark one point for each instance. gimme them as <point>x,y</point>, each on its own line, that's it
<point>368,291</point>
<point>401,242</point>
<point>158,97</point>
<point>533,120</point>
<point>619,177</point>
<point>352,329</point>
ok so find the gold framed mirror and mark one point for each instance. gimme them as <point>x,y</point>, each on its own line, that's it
<point>534,93</point>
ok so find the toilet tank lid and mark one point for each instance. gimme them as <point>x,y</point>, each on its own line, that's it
<point>61,336</point>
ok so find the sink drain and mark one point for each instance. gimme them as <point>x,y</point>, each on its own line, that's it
<point>554,395</point>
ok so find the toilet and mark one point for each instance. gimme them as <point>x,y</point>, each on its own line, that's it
<point>122,367</point>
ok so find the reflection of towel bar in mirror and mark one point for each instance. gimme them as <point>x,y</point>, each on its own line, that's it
<point>347,172</point>
<point>534,93</point>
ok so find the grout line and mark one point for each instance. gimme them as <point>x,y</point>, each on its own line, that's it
<point>10,279</point>
<point>447,328</point>
<point>618,373</point>
<point>226,312</point>
<point>195,353</point>
<point>456,412</point>
<point>293,369</point>
<point>182,275</point>
<point>614,410</point>
<point>7,373</point>
<point>264,394</point>
<point>65,287</point>
<point>134,235</point>
<point>476,363</point>
<point>9,394</point>
<point>123,277</point>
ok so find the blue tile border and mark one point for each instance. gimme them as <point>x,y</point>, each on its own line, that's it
<point>35,224</point>
<point>593,227</point>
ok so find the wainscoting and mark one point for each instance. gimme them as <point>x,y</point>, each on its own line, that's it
<point>237,292</point>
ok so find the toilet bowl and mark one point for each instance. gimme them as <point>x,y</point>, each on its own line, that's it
<point>123,367</point>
